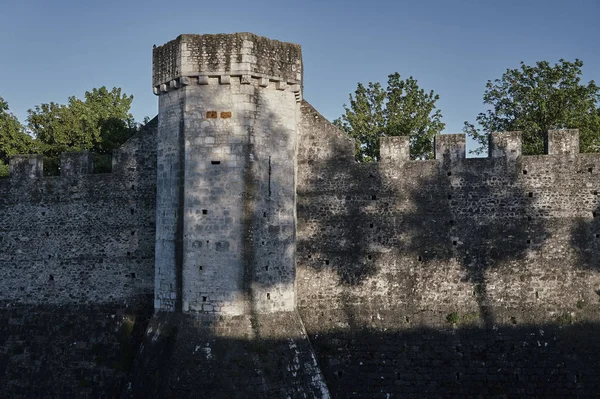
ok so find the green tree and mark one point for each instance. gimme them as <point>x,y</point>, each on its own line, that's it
<point>100,123</point>
<point>13,138</point>
<point>534,99</point>
<point>402,109</point>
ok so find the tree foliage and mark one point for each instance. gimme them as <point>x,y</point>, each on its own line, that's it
<point>13,138</point>
<point>100,123</point>
<point>401,109</point>
<point>534,99</point>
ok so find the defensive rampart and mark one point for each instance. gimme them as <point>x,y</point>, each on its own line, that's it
<point>279,267</point>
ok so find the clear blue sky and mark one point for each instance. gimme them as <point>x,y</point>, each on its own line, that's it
<point>51,50</point>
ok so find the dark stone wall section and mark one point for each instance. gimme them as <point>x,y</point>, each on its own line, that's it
<point>76,273</point>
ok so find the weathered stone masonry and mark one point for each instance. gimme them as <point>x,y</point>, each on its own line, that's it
<point>279,267</point>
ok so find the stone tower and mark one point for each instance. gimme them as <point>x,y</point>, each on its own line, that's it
<point>229,107</point>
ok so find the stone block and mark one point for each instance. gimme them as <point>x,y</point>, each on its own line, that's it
<point>562,142</point>
<point>451,147</point>
<point>394,149</point>
<point>76,163</point>
<point>26,166</point>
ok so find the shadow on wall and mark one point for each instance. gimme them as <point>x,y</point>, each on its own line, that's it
<point>392,233</point>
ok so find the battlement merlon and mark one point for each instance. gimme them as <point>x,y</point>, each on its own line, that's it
<point>562,142</point>
<point>451,147</point>
<point>243,55</point>
<point>76,163</point>
<point>26,167</point>
<point>505,145</point>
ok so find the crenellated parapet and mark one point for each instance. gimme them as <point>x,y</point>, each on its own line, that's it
<point>239,58</point>
<point>502,145</point>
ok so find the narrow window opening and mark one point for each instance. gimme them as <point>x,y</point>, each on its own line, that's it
<point>47,234</point>
<point>590,170</point>
<point>595,192</point>
<point>267,268</point>
<point>597,235</point>
<point>371,225</point>
<point>528,217</point>
<point>132,211</point>
<point>133,233</point>
<point>264,214</point>
<point>203,299</point>
<point>530,194</point>
<point>43,213</point>
<point>309,256</point>
<point>205,211</point>
<point>268,295</point>
<point>326,261</point>
<point>263,243</point>
<point>449,196</point>
<point>200,267</point>
<point>270,170</point>
<point>420,258</point>
<point>449,173</point>
<point>528,241</point>
<point>537,295</point>
<point>133,186</point>
<point>454,243</point>
<point>524,172</point>
<point>370,257</point>
<point>51,277</point>
<point>373,197</point>
<point>215,162</point>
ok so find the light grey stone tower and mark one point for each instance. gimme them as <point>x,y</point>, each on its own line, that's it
<point>229,107</point>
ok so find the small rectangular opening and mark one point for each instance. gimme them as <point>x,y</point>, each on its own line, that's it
<point>530,194</point>
<point>524,172</point>
<point>420,258</point>
<point>215,162</point>
<point>371,225</point>
<point>373,197</point>
<point>449,173</point>
<point>268,295</point>
<point>326,261</point>
<point>590,170</point>
<point>200,267</point>
<point>449,196</point>
<point>267,268</point>
<point>205,211</point>
<point>264,214</point>
<point>454,243</point>
<point>203,299</point>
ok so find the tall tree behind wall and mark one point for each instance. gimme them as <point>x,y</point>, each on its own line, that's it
<point>534,99</point>
<point>13,138</point>
<point>402,109</point>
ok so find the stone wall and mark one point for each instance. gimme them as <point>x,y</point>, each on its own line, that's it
<point>76,271</point>
<point>392,248</point>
